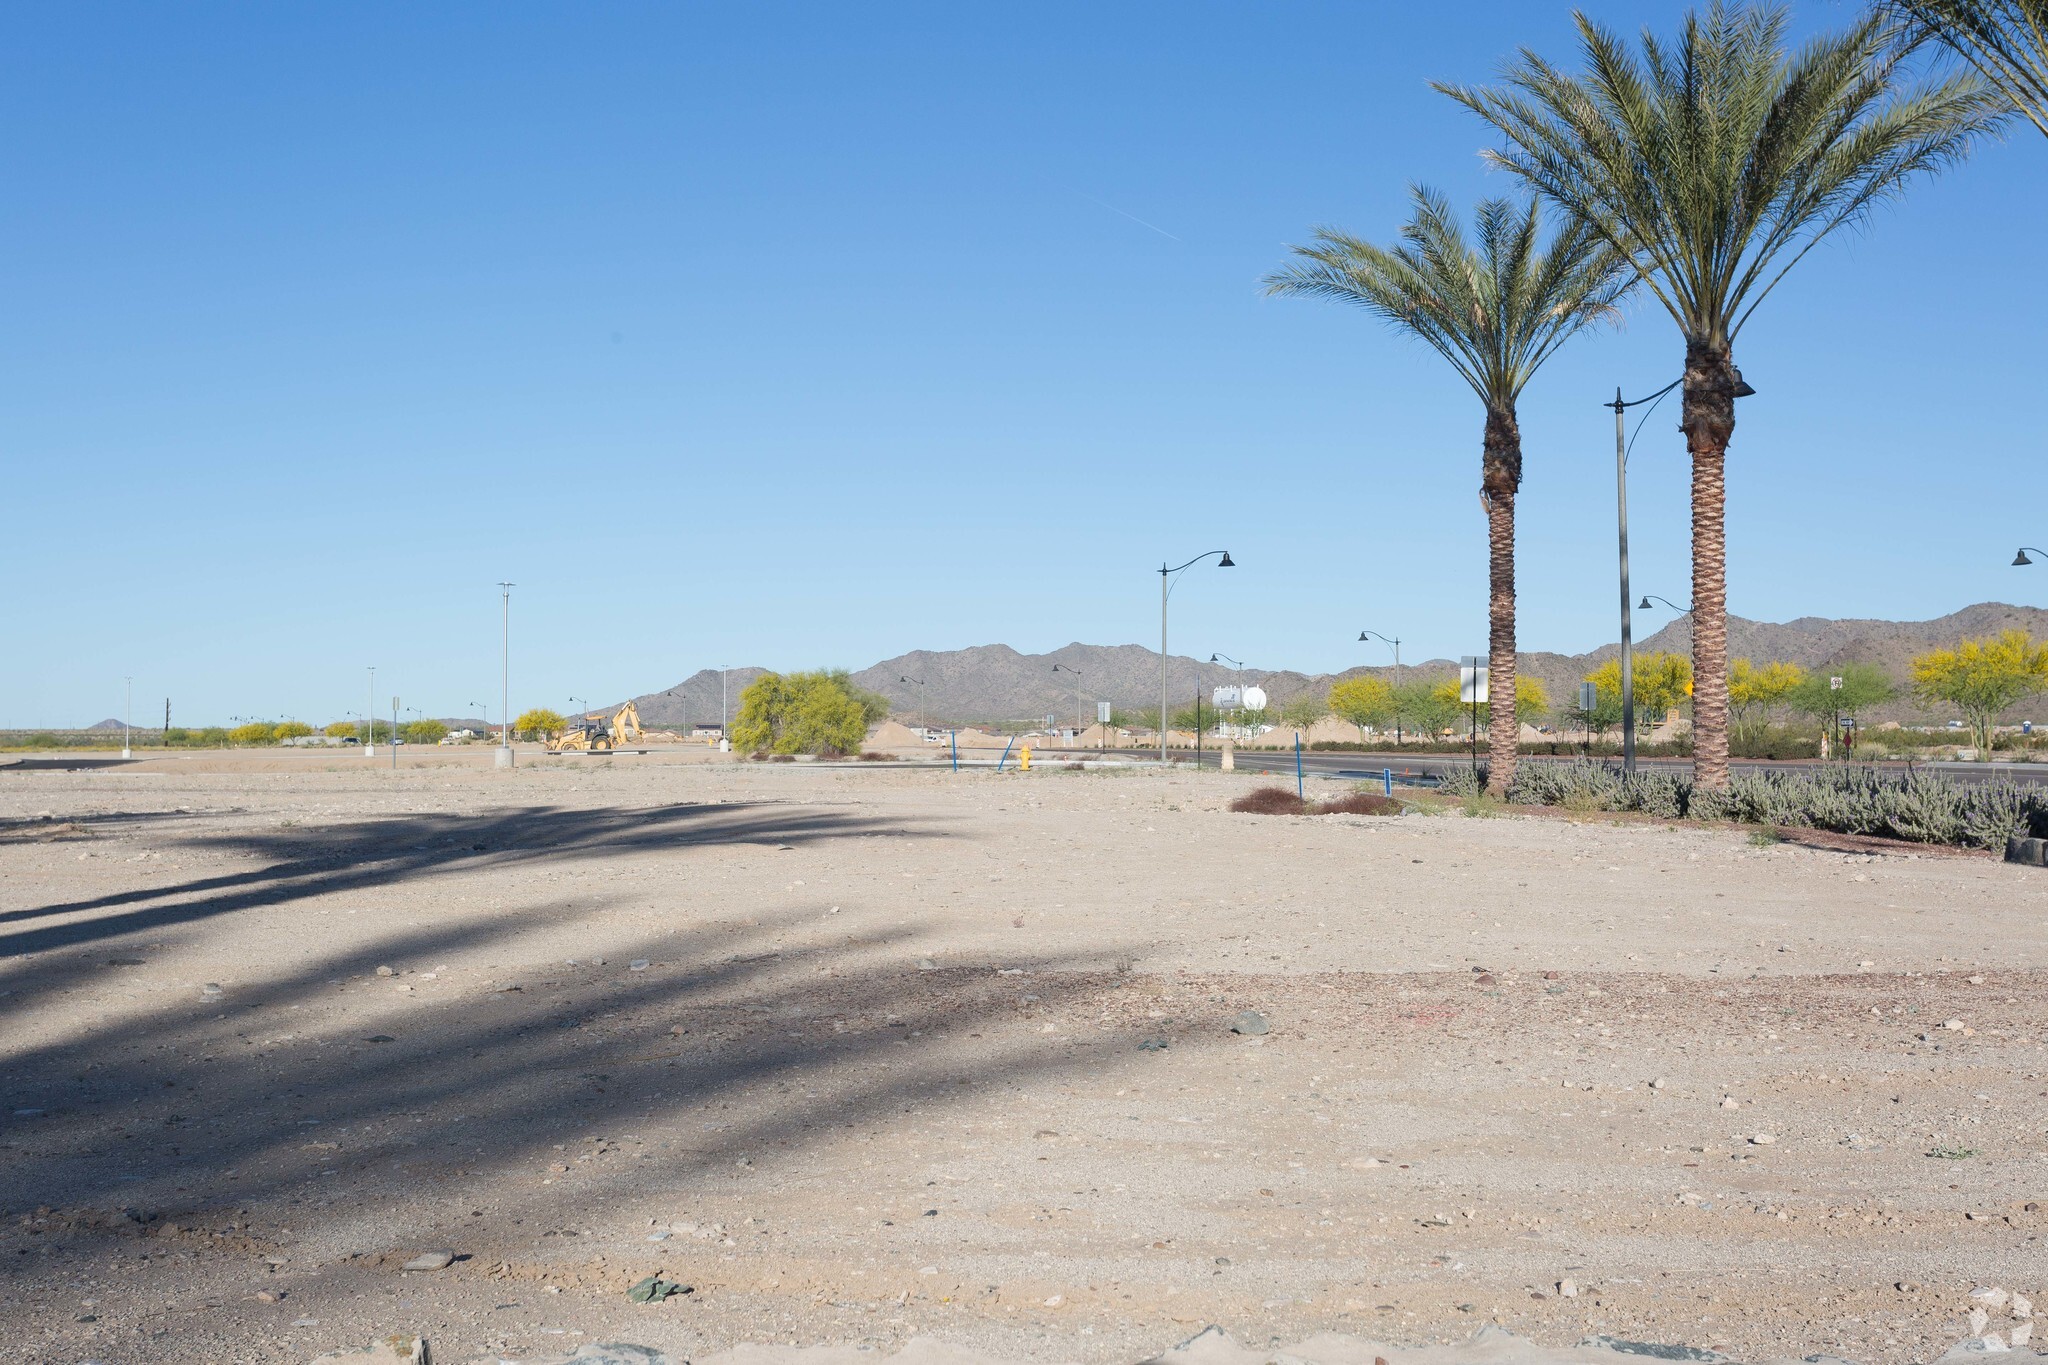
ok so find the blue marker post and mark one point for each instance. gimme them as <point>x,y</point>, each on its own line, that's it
<point>1388,774</point>
<point>1006,753</point>
<point>1299,789</point>
<point>954,736</point>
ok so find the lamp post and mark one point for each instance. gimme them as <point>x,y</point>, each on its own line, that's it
<point>1166,577</point>
<point>1395,641</point>
<point>2021,558</point>
<point>1238,664</point>
<point>1080,720</point>
<point>127,711</point>
<point>504,759</point>
<point>1650,597</point>
<point>1622,442</point>
<point>724,740</point>
<point>370,719</point>
<point>483,713</point>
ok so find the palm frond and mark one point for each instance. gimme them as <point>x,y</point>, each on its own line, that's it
<point>1495,305</point>
<point>2004,41</point>
<point>1716,161</point>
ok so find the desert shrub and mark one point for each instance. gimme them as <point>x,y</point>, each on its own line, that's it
<point>822,713</point>
<point>1269,801</point>
<point>538,723</point>
<point>255,732</point>
<point>874,756</point>
<point>212,737</point>
<point>424,732</point>
<point>1464,782</point>
<point>292,729</point>
<point>1359,803</point>
<point>343,729</point>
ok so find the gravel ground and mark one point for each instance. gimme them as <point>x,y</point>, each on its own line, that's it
<point>866,1055</point>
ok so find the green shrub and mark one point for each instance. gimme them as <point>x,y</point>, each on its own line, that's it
<point>343,729</point>
<point>425,732</point>
<point>1917,807</point>
<point>212,737</point>
<point>255,732</point>
<point>292,729</point>
<point>821,713</point>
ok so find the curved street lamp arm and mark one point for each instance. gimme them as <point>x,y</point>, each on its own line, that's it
<point>1650,597</point>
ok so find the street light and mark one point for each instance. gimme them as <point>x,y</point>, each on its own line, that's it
<point>1650,597</point>
<point>127,710</point>
<point>2021,558</point>
<point>370,718</point>
<point>483,713</point>
<point>504,759</point>
<point>1166,576</point>
<point>1622,442</point>
<point>1080,721</point>
<point>1395,641</point>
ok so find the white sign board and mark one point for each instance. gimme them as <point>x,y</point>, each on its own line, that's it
<point>1472,681</point>
<point>1102,713</point>
<point>1255,699</point>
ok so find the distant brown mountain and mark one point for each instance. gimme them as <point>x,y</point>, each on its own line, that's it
<point>997,684</point>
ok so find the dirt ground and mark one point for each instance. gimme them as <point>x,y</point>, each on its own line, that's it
<point>860,1055</point>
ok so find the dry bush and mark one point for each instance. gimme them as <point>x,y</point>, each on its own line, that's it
<point>1270,801</point>
<point>1359,803</point>
<point>874,756</point>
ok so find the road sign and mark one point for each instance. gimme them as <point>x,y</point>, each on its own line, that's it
<point>1102,713</point>
<point>1051,721</point>
<point>1834,684</point>
<point>1472,680</point>
<point>1589,697</point>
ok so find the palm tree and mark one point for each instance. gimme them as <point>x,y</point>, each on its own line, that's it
<point>1715,164</point>
<point>2005,40</point>
<point>1496,311</point>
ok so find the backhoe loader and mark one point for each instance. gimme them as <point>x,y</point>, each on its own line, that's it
<point>597,732</point>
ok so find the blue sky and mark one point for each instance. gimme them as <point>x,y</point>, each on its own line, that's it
<point>811,334</point>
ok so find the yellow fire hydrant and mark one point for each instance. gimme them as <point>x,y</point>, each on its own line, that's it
<point>1024,759</point>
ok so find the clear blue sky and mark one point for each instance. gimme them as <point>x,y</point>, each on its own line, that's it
<point>773,333</point>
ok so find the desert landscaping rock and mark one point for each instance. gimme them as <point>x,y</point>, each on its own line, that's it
<point>791,1100</point>
<point>431,1260</point>
<point>1251,1023</point>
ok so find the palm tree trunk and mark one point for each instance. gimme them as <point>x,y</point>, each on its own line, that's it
<point>1501,477</point>
<point>1708,423</point>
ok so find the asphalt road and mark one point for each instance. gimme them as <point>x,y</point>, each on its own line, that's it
<point>1424,769</point>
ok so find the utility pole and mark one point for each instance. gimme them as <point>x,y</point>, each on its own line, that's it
<point>1628,652</point>
<point>505,679</point>
<point>127,711</point>
<point>370,718</point>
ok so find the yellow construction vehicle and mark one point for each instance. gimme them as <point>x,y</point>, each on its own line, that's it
<point>598,732</point>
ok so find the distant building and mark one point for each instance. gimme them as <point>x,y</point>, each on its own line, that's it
<point>707,729</point>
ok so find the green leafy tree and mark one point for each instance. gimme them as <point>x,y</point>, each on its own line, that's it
<point>425,732</point>
<point>805,713</point>
<point>1429,707</point>
<point>1303,711</point>
<point>1366,702</point>
<point>539,723</point>
<point>1496,308</point>
<point>1863,685</point>
<point>2005,41</point>
<point>1715,163</point>
<point>1981,678</point>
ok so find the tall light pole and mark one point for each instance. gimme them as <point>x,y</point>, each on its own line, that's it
<point>127,711</point>
<point>1395,641</point>
<point>370,718</point>
<point>505,679</point>
<point>1622,442</point>
<point>1166,577</point>
<point>724,739</point>
<point>1080,719</point>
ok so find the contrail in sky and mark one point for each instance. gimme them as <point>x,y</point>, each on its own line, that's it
<point>1132,216</point>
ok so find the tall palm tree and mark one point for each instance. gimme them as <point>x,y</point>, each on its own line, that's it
<point>1716,163</point>
<point>1496,311</point>
<point>2005,40</point>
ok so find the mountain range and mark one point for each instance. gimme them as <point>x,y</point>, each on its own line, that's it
<point>995,684</point>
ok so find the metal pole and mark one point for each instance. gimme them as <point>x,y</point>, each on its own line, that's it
<point>127,711</point>
<point>1198,726</point>
<point>505,678</point>
<point>1162,661</point>
<point>394,734</point>
<point>370,719</point>
<point>1628,651</point>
